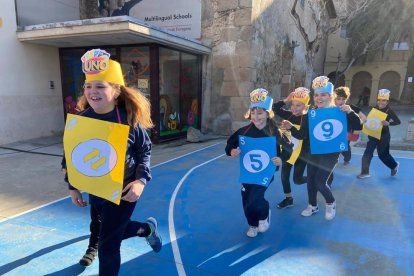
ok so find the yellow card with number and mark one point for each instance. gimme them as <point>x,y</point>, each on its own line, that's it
<point>373,125</point>
<point>95,156</point>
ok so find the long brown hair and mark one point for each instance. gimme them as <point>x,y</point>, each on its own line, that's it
<point>138,107</point>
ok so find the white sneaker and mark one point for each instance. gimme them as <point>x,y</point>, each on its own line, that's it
<point>264,224</point>
<point>310,210</point>
<point>395,170</point>
<point>252,232</point>
<point>363,175</point>
<point>330,211</point>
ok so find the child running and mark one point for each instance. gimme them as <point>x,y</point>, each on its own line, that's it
<point>299,103</point>
<point>342,95</point>
<point>321,166</point>
<point>107,99</point>
<point>260,114</point>
<point>383,144</point>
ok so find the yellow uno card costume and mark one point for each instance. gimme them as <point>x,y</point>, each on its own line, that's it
<point>300,94</point>
<point>94,149</point>
<point>373,125</point>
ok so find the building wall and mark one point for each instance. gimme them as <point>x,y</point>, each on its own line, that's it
<point>28,107</point>
<point>31,13</point>
<point>395,61</point>
<point>251,48</point>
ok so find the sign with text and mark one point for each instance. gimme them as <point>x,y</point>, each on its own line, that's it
<point>180,16</point>
<point>327,130</point>
<point>256,166</point>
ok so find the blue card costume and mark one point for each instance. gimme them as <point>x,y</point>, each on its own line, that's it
<point>256,166</point>
<point>327,130</point>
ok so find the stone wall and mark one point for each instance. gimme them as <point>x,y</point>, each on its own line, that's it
<point>251,48</point>
<point>227,29</point>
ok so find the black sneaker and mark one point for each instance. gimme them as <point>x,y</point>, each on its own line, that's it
<point>286,203</point>
<point>89,256</point>
<point>154,239</point>
<point>395,170</point>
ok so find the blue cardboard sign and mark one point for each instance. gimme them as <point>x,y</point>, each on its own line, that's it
<point>327,130</point>
<point>256,166</point>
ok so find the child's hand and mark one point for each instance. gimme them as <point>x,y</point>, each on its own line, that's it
<point>286,124</point>
<point>385,123</point>
<point>345,108</point>
<point>235,152</point>
<point>277,161</point>
<point>63,170</point>
<point>135,189</point>
<point>77,198</point>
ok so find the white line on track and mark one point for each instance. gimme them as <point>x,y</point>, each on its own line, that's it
<point>50,203</point>
<point>173,236</point>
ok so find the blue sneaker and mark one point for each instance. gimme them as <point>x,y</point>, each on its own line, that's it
<point>154,239</point>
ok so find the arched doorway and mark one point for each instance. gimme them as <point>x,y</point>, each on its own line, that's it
<point>337,83</point>
<point>360,80</point>
<point>391,80</point>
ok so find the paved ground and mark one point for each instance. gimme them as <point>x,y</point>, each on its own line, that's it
<point>42,233</point>
<point>196,200</point>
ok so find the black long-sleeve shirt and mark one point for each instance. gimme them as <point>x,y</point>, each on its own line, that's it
<point>392,118</point>
<point>282,145</point>
<point>296,120</point>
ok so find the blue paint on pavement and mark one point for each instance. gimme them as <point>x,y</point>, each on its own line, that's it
<point>372,233</point>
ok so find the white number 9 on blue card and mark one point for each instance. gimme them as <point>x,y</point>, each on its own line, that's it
<point>327,130</point>
<point>256,161</point>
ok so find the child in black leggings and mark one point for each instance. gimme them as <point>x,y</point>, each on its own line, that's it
<point>383,144</point>
<point>299,102</point>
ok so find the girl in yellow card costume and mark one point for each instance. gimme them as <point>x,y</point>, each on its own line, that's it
<point>383,143</point>
<point>107,99</point>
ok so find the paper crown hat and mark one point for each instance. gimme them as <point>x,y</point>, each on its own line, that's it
<point>260,98</point>
<point>384,94</point>
<point>321,84</point>
<point>98,67</point>
<point>301,94</point>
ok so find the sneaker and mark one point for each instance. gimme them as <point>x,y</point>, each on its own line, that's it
<point>264,224</point>
<point>252,232</point>
<point>363,175</point>
<point>89,257</point>
<point>395,170</point>
<point>310,210</point>
<point>330,211</point>
<point>286,203</point>
<point>154,238</point>
<point>346,163</point>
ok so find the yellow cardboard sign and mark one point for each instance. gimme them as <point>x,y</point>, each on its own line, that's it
<point>95,156</point>
<point>373,126</point>
<point>297,146</point>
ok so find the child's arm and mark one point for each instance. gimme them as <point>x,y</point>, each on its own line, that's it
<point>279,111</point>
<point>232,147</point>
<point>392,118</point>
<point>352,118</point>
<point>142,145</point>
<point>75,195</point>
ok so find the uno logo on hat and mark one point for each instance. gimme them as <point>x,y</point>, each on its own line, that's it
<point>95,61</point>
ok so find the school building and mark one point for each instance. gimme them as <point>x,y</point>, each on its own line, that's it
<point>387,69</point>
<point>196,60</point>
